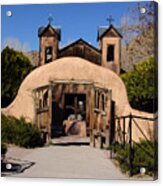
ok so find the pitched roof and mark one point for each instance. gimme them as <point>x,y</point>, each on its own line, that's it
<point>78,41</point>
<point>56,29</point>
<point>103,30</point>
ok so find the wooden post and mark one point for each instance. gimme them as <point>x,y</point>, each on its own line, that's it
<point>75,106</point>
<point>100,142</point>
<point>107,137</point>
<point>91,117</point>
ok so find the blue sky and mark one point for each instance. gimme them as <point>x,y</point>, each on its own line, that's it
<point>76,21</point>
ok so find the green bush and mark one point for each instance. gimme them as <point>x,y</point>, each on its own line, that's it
<point>19,132</point>
<point>144,155</point>
<point>142,85</point>
<point>15,67</point>
<point>122,156</point>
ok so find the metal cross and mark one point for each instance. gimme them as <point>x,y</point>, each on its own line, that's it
<point>110,19</point>
<point>50,19</point>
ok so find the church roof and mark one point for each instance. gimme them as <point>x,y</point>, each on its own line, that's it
<point>82,49</point>
<point>57,29</point>
<point>102,30</point>
<point>80,41</point>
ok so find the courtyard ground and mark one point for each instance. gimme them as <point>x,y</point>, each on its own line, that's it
<point>73,161</point>
<point>67,157</point>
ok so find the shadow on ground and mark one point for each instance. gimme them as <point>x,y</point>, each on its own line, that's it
<point>10,166</point>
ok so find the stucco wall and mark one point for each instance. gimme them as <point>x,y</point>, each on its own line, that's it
<point>70,68</point>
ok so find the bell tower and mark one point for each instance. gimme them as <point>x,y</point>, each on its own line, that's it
<point>110,44</point>
<point>49,38</point>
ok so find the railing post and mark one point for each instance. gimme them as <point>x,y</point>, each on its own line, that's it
<point>130,146</point>
<point>124,131</point>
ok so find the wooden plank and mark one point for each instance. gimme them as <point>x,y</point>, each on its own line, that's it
<point>91,104</point>
<point>42,110</point>
<point>65,81</point>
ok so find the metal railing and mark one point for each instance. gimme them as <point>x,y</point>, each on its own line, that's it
<point>122,134</point>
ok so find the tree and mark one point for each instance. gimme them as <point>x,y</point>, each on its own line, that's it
<point>136,23</point>
<point>139,32</point>
<point>141,84</point>
<point>15,66</point>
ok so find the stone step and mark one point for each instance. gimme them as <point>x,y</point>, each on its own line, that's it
<point>71,140</point>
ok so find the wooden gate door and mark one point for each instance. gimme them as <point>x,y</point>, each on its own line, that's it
<point>42,105</point>
<point>102,117</point>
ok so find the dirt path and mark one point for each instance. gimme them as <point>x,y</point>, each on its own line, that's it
<point>69,162</point>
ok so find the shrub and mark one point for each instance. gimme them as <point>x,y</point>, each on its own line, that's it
<point>122,156</point>
<point>144,155</point>
<point>142,85</point>
<point>20,132</point>
<point>15,67</point>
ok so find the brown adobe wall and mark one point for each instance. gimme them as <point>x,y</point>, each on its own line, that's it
<point>73,68</point>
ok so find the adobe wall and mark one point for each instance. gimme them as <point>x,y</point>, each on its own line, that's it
<point>78,69</point>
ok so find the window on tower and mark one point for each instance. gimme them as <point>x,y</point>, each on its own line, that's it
<point>48,54</point>
<point>110,53</point>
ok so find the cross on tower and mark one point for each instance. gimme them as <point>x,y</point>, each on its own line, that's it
<point>50,19</point>
<point>110,20</point>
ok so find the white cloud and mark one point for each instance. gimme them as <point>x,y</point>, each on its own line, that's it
<point>15,44</point>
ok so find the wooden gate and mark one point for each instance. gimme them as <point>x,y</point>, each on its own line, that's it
<point>42,97</point>
<point>102,117</point>
<point>98,109</point>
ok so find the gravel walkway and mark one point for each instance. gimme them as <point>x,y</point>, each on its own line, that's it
<point>69,162</point>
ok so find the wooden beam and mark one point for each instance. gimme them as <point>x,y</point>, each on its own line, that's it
<point>41,88</point>
<point>65,81</point>
<point>91,112</point>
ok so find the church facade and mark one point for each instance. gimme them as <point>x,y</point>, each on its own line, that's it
<point>107,55</point>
